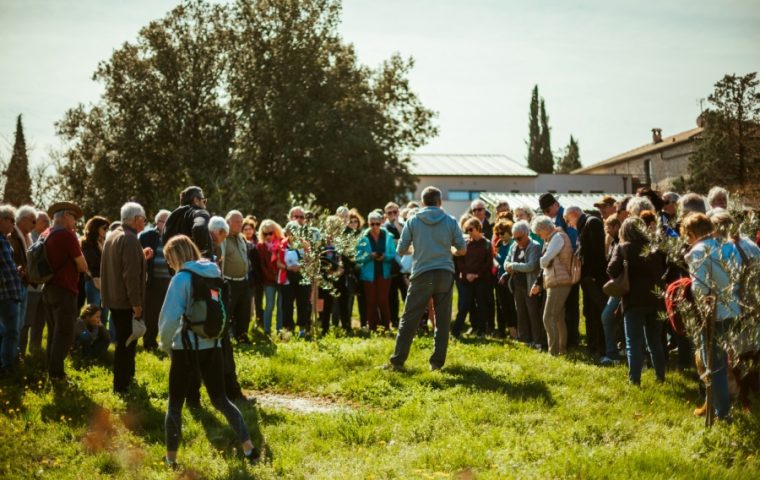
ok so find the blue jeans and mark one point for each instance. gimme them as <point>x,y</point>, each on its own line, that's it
<point>9,313</point>
<point>641,323</point>
<point>270,292</point>
<point>719,367</point>
<point>609,323</point>
<point>471,293</point>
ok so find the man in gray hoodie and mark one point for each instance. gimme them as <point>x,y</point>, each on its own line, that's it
<point>433,235</point>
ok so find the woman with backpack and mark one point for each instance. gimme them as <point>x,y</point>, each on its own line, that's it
<point>193,353</point>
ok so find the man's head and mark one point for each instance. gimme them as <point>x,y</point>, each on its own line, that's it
<point>218,228</point>
<point>192,196</point>
<point>133,215</point>
<point>431,197</point>
<point>717,197</point>
<point>297,214</point>
<point>235,221</point>
<point>572,214</point>
<point>65,214</point>
<point>478,209</point>
<point>670,203</point>
<point>26,218</point>
<point>7,219</point>
<point>502,205</point>
<point>160,220</point>
<point>391,211</point>
<point>521,233</point>
<point>43,222</point>
<point>691,203</point>
<point>548,204</point>
<point>607,206</point>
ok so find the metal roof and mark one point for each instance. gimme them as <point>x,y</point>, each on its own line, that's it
<point>431,164</point>
<point>584,200</point>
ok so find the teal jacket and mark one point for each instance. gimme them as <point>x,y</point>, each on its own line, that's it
<point>364,256</point>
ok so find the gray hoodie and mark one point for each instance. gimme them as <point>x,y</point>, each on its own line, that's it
<point>432,232</point>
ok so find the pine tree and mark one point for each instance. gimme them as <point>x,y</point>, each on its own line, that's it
<point>571,158</point>
<point>545,155</point>
<point>18,184</point>
<point>534,133</point>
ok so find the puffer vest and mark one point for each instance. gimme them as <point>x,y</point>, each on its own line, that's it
<point>557,274</point>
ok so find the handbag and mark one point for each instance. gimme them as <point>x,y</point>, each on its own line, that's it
<point>619,286</point>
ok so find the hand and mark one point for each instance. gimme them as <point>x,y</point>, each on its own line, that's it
<point>137,312</point>
<point>535,290</point>
<point>148,252</point>
<point>509,268</point>
<point>502,280</point>
<point>380,257</point>
<point>471,277</point>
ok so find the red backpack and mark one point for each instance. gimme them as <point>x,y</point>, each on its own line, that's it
<point>677,292</point>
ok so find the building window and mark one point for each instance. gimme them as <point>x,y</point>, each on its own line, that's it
<point>515,191</point>
<point>464,195</point>
<point>575,191</point>
<point>596,192</point>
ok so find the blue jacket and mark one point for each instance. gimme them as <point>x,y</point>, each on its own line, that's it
<point>178,302</point>
<point>710,262</point>
<point>432,232</point>
<point>367,263</point>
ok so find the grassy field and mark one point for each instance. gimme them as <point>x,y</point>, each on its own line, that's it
<point>497,410</point>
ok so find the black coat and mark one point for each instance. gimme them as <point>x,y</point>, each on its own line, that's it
<point>191,221</point>
<point>644,273</point>
<point>591,240</point>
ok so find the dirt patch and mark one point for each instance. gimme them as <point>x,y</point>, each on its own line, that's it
<point>296,403</point>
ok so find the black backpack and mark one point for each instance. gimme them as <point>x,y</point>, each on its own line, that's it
<point>208,316</point>
<point>38,267</point>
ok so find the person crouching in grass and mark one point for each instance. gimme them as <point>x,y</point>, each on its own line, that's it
<point>91,338</point>
<point>184,257</point>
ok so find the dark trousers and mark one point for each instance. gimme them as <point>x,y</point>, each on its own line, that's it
<point>298,294</point>
<point>376,296</point>
<point>61,310</point>
<point>506,315</point>
<point>345,301</point>
<point>229,375</point>
<point>435,284</point>
<point>594,301</point>
<point>397,288</point>
<point>124,356</point>
<point>239,308</point>
<point>33,324</point>
<point>470,292</point>
<point>327,307</point>
<point>155,293</point>
<point>184,376</point>
<point>530,325</point>
<point>258,300</point>
<point>361,300</point>
<point>573,316</point>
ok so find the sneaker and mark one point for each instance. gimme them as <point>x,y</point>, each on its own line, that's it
<point>171,464</point>
<point>608,361</point>
<point>254,457</point>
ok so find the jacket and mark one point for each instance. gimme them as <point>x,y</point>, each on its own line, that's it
<point>645,274</point>
<point>591,240</point>
<point>367,263</point>
<point>178,302</point>
<point>708,262</point>
<point>123,270</point>
<point>242,247</point>
<point>556,264</point>
<point>478,260</point>
<point>191,221</point>
<point>528,265</point>
<point>432,232</point>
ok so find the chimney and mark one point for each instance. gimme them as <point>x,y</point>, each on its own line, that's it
<point>656,135</point>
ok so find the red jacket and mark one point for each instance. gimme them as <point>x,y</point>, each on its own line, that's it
<point>268,262</point>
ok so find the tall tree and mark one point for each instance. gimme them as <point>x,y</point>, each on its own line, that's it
<point>257,102</point>
<point>728,150</point>
<point>546,157</point>
<point>534,132</point>
<point>570,159</point>
<point>18,183</point>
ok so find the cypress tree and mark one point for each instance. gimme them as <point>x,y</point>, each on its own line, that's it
<point>571,159</point>
<point>545,155</point>
<point>18,183</point>
<point>534,146</point>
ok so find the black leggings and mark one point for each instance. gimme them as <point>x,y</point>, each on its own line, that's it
<point>180,376</point>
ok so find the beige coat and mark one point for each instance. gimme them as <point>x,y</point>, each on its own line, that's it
<point>557,274</point>
<point>123,270</point>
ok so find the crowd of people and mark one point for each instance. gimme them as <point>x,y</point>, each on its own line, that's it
<point>518,273</point>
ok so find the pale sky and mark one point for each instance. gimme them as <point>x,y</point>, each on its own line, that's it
<point>608,70</point>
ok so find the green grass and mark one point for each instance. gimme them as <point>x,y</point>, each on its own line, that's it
<point>497,410</point>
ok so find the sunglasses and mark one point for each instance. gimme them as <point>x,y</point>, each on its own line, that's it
<point>517,239</point>
<point>353,220</point>
<point>392,212</point>
<point>298,217</point>
<point>470,230</point>
<point>266,234</point>
<point>479,209</point>
<point>374,224</point>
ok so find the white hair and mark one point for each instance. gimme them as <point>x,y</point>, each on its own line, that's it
<point>25,211</point>
<point>574,209</point>
<point>375,215</point>
<point>638,204</point>
<point>477,202</point>
<point>342,210</point>
<point>521,226</point>
<point>130,210</point>
<point>8,211</point>
<point>502,201</point>
<point>541,222</point>
<point>671,197</point>
<point>217,223</point>
<point>293,210</point>
<point>161,213</point>
<point>233,213</point>
<point>716,192</point>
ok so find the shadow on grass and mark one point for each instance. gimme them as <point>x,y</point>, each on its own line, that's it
<point>220,434</point>
<point>70,404</point>
<point>262,345</point>
<point>478,379</point>
<point>141,417</point>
